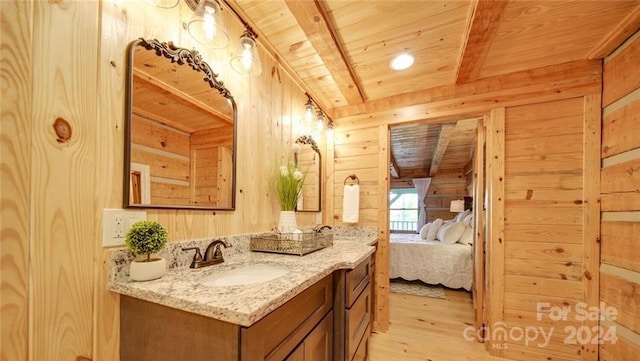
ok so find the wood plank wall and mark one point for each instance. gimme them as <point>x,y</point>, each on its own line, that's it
<point>543,250</point>
<point>620,193</point>
<point>66,61</point>
<point>362,131</point>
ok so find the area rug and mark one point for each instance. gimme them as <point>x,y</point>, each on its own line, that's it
<point>416,288</point>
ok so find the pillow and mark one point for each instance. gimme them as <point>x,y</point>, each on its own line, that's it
<point>451,233</point>
<point>468,220</point>
<point>433,230</point>
<point>424,230</point>
<point>462,215</point>
<point>467,235</point>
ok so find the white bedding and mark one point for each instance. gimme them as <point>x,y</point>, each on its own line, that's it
<point>431,262</point>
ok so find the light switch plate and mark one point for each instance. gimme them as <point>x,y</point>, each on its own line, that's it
<point>116,224</point>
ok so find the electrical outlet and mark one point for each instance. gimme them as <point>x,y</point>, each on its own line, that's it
<point>116,224</point>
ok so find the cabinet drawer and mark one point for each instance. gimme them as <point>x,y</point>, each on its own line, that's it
<point>358,321</point>
<point>357,280</point>
<point>278,333</point>
<point>362,353</point>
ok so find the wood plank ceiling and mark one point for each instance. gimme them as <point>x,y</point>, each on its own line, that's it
<point>340,50</point>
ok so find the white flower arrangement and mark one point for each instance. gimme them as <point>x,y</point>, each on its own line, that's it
<point>289,181</point>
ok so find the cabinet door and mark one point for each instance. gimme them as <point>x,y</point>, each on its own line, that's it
<point>318,345</point>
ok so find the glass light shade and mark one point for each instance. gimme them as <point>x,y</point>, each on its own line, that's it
<point>246,60</point>
<point>206,26</point>
<point>320,120</point>
<point>457,206</point>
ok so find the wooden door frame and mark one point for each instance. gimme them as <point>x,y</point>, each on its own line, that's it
<point>478,216</point>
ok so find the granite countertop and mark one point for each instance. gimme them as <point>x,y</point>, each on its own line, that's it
<point>246,304</point>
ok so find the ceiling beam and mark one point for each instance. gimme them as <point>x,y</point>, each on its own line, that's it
<point>313,19</point>
<point>444,137</point>
<point>481,27</point>
<point>445,102</point>
<point>627,27</point>
<point>395,171</point>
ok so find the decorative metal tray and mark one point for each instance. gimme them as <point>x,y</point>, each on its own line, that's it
<point>290,243</point>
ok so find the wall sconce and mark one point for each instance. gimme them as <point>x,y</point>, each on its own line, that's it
<point>457,206</point>
<point>206,25</point>
<point>314,120</point>
<point>247,61</point>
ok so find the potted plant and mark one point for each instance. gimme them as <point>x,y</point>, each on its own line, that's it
<point>289,181</point>
<point>145,238</point>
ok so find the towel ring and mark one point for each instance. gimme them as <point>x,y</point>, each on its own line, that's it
<point>353,178</point>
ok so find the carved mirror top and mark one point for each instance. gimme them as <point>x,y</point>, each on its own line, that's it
<point>309,160</point>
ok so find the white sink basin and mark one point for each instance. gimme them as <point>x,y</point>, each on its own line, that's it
<point>245,275</point>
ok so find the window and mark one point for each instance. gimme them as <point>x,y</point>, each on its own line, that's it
<point>403,209</point>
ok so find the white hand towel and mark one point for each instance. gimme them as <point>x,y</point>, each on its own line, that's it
<point>351,203</point>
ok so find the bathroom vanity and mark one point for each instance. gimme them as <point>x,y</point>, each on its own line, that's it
<point>320,310</point>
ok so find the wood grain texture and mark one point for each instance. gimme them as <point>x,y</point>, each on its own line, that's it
<point>479,237</point>
<point>623,294</point>
<point>581,23</point>
<point>445,102</point>
<point>616,125</point>
<point>591,213</point>
<point>621,74</point>
<point>382,287</point>
<point>495,152</point>
<point>429,329</point>
<point>484,23</point>
<point>16,96</point>
<point>629,25</point>
<point>64,226</point>
<point>312,18</point>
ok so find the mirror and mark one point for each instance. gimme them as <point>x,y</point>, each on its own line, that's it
<point>180,133</point>
<point>308,160</point>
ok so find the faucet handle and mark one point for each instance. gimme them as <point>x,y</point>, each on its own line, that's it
<point>197,257</point>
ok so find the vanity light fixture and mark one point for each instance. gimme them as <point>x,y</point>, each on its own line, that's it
<point>402,61</point>
<point>315,119</point>
<point>309,107</point>
<point>246,60</point>
<point>206,25</point>
<point>320,120</point>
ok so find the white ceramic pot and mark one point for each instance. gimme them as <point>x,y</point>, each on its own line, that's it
<point>146,271</point>
<point>287,222</point>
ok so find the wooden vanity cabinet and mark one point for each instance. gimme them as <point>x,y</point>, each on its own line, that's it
<point>302,327</point>
<point>352,312</point>
<point>299,323</point>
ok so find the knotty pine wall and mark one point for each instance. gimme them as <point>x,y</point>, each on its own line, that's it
<point>361,146</point>
<point>543,226</point>
<point>65,61</point>
<point>620,194</point>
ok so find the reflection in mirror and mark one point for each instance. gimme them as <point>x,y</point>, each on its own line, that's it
<point>308,160</point>
<point>180,138</point>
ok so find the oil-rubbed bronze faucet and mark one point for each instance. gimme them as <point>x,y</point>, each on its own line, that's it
<point>213,254</point>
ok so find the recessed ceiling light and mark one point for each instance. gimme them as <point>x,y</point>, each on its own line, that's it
<point>402,61</point>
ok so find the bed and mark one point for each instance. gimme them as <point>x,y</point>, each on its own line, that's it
<point>413,258</point>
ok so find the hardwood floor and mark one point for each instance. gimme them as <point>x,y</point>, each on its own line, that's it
<point>429,329</point>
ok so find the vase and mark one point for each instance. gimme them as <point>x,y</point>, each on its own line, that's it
<point>146,271</point>
<point>287,222</point>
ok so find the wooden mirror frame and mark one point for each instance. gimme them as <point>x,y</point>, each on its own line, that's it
<point>192,59</point>
<point>308,140</point>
